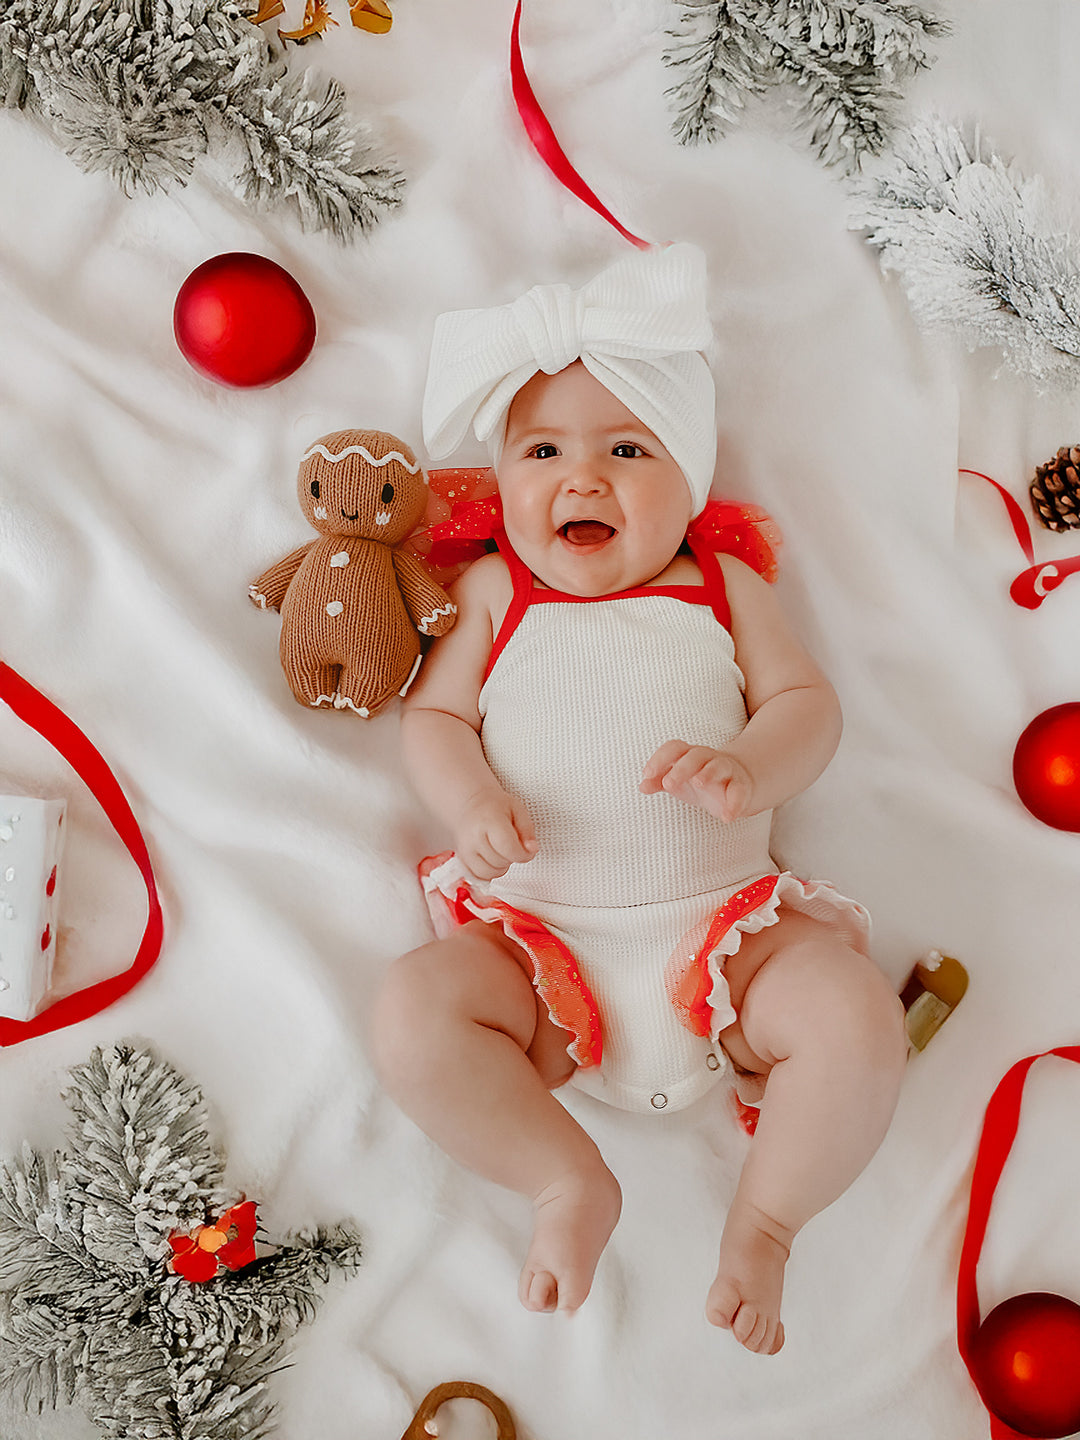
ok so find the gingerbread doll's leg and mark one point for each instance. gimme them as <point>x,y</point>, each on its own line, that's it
<point>361,694</point>
<point>312,678</point>
<point>365,693</point>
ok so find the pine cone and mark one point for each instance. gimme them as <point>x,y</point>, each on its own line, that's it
<point>1055,491</point>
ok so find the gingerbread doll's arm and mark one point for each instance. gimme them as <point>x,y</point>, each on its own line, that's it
<point>268,591</point>
<point>432,610</point>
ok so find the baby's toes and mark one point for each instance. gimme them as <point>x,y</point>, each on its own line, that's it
<point>749,1327</point>
<point>724,1300</point>
<point>538,1291</point>
<point>757,1331</point>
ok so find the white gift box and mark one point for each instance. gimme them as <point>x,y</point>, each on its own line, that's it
<point>31,839</point>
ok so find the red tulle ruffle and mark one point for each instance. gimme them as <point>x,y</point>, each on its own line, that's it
<point>464,516</point>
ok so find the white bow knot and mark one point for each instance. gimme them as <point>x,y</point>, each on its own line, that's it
<point>551,321</point>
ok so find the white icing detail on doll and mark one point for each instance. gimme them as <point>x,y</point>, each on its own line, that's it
<point>382,517</point>
<point>321,449</point>
<point>412,675</point>
<point>335,607</point>
<point>1039,585</point>
<point>258,597</point>
<point>319,512</point>
<point>342,702</point>
<point>422,625</point>
<point>324,700</point>
<point>340,559</point>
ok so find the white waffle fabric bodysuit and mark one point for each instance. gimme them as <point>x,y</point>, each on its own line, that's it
<point>579,694</point>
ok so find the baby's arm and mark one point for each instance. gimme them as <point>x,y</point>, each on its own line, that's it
<point>440,733</point>
<point>794,726</point>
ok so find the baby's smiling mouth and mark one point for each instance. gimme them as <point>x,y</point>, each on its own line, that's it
<point>351,517</point>
<point>586,532</point>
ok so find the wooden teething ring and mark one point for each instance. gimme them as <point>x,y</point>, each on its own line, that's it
<point>423,1427</point>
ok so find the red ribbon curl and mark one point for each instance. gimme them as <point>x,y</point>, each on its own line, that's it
<point>66,737</point>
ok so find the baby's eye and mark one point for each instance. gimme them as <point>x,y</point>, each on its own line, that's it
<point>626,450</point>
<point>387,493</point>
<point>315,488</point>
<point>543,452</point>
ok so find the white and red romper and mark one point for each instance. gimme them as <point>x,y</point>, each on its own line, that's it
<point>633,902</point>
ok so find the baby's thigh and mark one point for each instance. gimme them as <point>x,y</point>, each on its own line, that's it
<point>475,976</point>
<point>798,982</point>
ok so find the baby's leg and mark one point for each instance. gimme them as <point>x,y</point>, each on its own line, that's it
<point>451,1031</point>
<point>825,1025</point>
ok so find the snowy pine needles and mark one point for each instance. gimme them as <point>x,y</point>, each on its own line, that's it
<point>841,63</point>
<point>143,88</point>
<point>977,247</point>
<point>88,1313</point>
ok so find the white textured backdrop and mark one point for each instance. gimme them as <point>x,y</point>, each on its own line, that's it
<point>137,500</point>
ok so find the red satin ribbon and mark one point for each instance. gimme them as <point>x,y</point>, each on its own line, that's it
<point>545,142</point>
<point>1031,586</point>
<point>995,1142</point>
<point>65,736</point>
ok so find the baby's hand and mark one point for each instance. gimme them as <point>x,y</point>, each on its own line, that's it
<point>713,779</point>
<point>495,832</point>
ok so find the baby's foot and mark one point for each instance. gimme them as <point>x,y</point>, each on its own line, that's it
<point>573,1221</point>
<point>745,1296</point>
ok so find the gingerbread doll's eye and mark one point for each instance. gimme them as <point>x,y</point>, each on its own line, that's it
<point>315,488</point>
<point>387,493</point>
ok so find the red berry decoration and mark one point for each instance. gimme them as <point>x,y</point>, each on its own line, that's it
<point>1046,767</point>
<point>1026,1362</point>
<point>243,321</point>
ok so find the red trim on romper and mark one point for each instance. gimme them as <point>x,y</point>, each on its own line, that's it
<point>712,593</point>
<point>556,978</point>
<point>713,576</point>
<point>690,994</point>
<point>523,588</point>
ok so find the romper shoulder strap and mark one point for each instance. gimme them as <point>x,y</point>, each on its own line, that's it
<point>713,576</point>
<point>522,579</point>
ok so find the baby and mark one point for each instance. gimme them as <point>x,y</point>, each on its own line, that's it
<point>605,732</point>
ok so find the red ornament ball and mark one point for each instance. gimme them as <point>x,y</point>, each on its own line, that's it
<point>1026,1363</point>
<point>243,321</point>
<point>1046,767</point>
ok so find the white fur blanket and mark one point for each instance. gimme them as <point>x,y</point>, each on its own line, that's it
<point>137,501</point>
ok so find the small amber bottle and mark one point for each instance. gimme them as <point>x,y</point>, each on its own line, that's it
<point>935,988</point>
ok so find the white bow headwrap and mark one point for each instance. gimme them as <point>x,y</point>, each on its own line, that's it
<point>639,328</point>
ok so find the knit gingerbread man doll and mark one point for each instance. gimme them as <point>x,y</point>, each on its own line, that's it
<point>353,605</point>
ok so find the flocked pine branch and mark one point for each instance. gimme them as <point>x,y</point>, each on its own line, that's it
<point>90,1314</point>
<point>977,246</point>
<point>841,64</point>
<point>142,89</point>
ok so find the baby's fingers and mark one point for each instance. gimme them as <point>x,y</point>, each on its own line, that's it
<point>523,828</point>
<point>659,763</point>
<point>504,843</point>
<point>722,789</point>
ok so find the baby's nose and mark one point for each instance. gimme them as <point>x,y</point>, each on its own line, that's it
<point>585,481</point>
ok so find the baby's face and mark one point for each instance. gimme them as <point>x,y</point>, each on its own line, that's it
<point>591,501</point>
